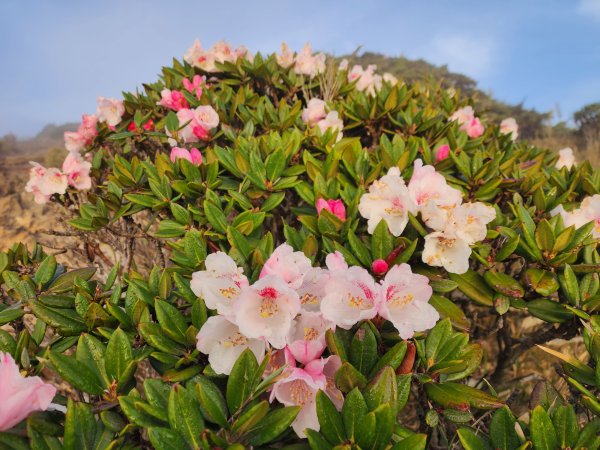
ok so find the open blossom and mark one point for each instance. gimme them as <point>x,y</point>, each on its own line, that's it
<point>405,301</point>
<point>110,110</point>
<point>20,395</point>
<point>509,126</point>
<point>222,341</point>
<point>367,79</point>
<point>220,52</point>
<point>193,155</point>
<point>288,265</point>
<point>468,122</point>
<point>300,388</point>
<point>220,284</point>
<point>195,86</point>
<point>43,183</point>
<point>75,141</point>
<point>266,310</point>
<point>589,211</point>
<point>335,207</point>
<point>313,289</point>
<point>174,100</point>
<point>306,339</point>
<point>77,171</point>
<point>442,152</point>
<point>309,64</point>
<point>314,111</point>
<point>198,123</point>
<point>332,122</point>
<point>388,199</point>
<point>352,296</point>
<point>447,250</point>
<point>429,191</point>
<point>566,158</point>
<point>470,221</point>
<point>286,58</point>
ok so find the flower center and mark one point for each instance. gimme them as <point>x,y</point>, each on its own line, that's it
<point>234,340</point>
<point>229,292</point>
<point>310,334</point>
<point>299,392</point>
<point>268,307</point>
<point>309,299</point>
<point>403,300</point>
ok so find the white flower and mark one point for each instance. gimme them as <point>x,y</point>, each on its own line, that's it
<point>590,208</point>
<point>312,290</point>
<point>447,250</point>
<point>463,115</point>
<point>314,111</point>
<point>110,110</point>
<point>509,126</point>
<point>288,265</point>
<point>332,122</point>
<point>220,284</point>
<point>286,58</point>
<point>309,64</point>
<point>389,78</point>
<point>266,310</point>
<point>566,158</point>
<point>470,221</point>
<point>405,301</point>
<point>388,199</point>
<point>367,79</point>
<point>222,341</point>
<point>352,295</point>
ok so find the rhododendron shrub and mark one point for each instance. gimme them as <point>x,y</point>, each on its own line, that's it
<point>303,254</point>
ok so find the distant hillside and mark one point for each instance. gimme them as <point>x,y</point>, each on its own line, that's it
<point>531,123</point>
<point>51,136</point>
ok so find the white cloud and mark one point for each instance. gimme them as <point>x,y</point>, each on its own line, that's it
<point>590,7</point>
<point>466,54</point>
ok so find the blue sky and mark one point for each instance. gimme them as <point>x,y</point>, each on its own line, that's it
<point>59,55</point>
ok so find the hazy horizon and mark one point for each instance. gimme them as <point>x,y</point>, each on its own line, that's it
<point>63,54</point>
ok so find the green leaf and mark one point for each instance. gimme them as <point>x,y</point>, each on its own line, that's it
<point>347,378</point>
<point>472,441</point>
<point>118,355</point>
<point>544,235</point>
<point>413,442</point>
<point>78,375</point>
<point>242,380</point>
<point>273,425</point>
<point>543,433</point>
<point>502,430</point>
<point>80,427</point>
<point>353,411</point>
<point>566,425</point>
<point>184,415</point>
<point>66,281</point>
<point>393,358</point>
<point>215,217</point>
<point>172,322</point>
<point>212,403</point>
<point>165,439</point>
<point>569,285</point>
<point>382,242</point>
<point>473,286</point>
<point>45,271</point>
<point>363,349</point>
<point>382,389</point>
<point>542,281</point>
<point>460,396</point>
<point>504,284</point>
<point>332,426</point>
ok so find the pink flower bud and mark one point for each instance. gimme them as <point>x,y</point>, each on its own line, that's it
<point>335,207</point>
<point>442,153</point>
<point>379,267</point>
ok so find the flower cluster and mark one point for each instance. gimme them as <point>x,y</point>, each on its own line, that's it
<point>221,52</point>
<point>366,79</point>
<point>197,124</point>
<point>589,211</point>
<point>305,62</point>
<point>110,111</point>
<point>291,307</point>
<point>468,122</point>
<point>318,114</point>
<point>75,141</point>
<point>20,395</point>
<point>455,225</point>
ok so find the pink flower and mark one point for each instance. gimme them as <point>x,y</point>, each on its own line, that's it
<point>405,301</point>
<point>85,134</point>
<point>20,395</point>
<point>286,58</point>
<point>379,266</point>
<point>314,111</point>
<point>266,310</point>
<point>335,207</point>
<point>77,171</point>
<point>468,122</point>
<point>442,152</point>
<point>149,125</point>
<point>194,156</point>
<point>368,80</point>
<point>312,290</point>
<point>174,100</point>
<point>110,110</point>
<point>288,265</point>
<point>566,159</point>
<point>198,123</point>
<point>307,63</point>
<point>306,339</point>
<point>351,296</point>
<point>332,122</point>
<point>195,86</point>
<point>43,183</point>
<point>300,388</point>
